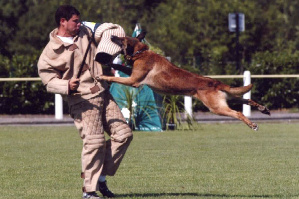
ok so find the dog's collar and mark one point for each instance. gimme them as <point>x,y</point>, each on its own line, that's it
<point>138,52</point>
<point>129,57</point>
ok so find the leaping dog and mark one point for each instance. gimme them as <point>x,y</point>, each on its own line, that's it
<point>163,77</point>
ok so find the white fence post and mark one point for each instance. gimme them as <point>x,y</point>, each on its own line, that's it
<point>188,104</point>
<point>58,107</point>
<point>247,81</point>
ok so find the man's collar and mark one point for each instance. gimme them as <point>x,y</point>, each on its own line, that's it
<point>56,43</point>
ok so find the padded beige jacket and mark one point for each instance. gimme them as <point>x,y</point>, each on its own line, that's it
<point>59,62</point>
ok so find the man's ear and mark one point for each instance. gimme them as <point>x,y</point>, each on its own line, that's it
<point>63,21</point>
<point>141,36</point>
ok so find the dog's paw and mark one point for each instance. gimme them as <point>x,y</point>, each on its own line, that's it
<point>102,78</point>
<point>255,127</point>
<point>264,110</point>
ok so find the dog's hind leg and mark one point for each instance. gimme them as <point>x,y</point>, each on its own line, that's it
<point>252,103</point>
<point>216,102</point>
<point>261,108</point>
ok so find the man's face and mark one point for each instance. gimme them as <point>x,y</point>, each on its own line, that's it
<point>71,26</point>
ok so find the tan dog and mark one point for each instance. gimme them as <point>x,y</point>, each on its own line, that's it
<point>163,77</point>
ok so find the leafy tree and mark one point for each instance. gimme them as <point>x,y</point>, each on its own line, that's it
<point>193,33</point>
<point>10,11</point>
<point>4,66</point>
<point>33,28</point>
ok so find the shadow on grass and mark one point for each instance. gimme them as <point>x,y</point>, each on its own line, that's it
<point>198,195</point>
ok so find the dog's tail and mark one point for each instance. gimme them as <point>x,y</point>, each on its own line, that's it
<point>236,91</point>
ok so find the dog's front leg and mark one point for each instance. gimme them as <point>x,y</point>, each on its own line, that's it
<point>128,81</point>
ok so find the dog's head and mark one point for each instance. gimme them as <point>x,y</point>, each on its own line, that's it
<point>130,45</point>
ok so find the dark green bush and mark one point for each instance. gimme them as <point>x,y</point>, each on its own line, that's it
<point>23,97</point>
<point>276,93</point>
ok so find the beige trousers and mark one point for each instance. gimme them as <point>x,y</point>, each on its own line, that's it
<point>93,117</point>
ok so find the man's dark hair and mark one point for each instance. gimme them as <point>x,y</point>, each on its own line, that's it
<point>65,11</point>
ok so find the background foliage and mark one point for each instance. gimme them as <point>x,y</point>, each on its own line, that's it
<point>193,33</point>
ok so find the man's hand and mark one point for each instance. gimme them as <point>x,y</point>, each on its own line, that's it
<point>74,84</point>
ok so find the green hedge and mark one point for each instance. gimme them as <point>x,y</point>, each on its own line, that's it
<point>21,97</point>
<point>276,93</point>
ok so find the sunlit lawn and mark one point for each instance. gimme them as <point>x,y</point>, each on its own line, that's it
<point>214,161</point>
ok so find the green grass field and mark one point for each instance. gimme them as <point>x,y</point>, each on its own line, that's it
<point>214,161</point>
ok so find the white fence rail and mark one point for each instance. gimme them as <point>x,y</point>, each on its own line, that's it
<point>19,79</point>
<point>188,100</point>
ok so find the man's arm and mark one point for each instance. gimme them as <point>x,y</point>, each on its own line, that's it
<point>51,78</point>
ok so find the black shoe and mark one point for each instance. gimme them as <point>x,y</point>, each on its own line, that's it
<point>104,190</point>
<point>91,195</point>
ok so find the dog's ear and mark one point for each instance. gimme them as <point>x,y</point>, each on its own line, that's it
<point>116,40</point>
<point>141,36</point>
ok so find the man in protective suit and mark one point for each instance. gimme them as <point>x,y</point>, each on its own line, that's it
<point>91,105</point>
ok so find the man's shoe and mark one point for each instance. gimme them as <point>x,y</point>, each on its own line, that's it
<point>104,190</point>
<point>92,195</point>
